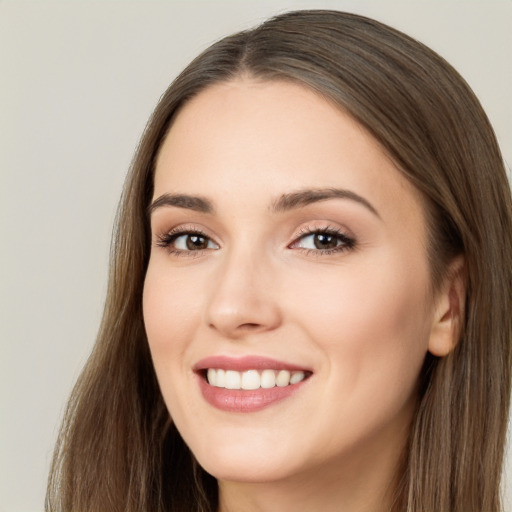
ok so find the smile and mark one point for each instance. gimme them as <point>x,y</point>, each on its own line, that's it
<point>253,379</point>
<point>248,384</point>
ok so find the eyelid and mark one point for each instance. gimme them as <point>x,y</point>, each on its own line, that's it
<point>321,227</point>
<point>184,228</point>
<point>348,240</point>
<point>167,237</point>
<point>345,240</point>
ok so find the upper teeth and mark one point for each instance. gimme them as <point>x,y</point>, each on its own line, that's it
<point>252,379</point>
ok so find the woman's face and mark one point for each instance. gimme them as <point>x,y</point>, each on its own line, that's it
<point>288,257</point>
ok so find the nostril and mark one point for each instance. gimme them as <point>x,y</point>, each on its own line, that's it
<point>242,327</point>
<point>249,326</point>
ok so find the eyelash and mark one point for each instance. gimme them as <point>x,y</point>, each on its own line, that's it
<point>347,243</point>
<point>167,240</point>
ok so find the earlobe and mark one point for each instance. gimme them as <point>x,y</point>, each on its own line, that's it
<point>449,312</point>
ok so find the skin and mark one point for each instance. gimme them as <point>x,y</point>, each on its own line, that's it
<point>361,318</point>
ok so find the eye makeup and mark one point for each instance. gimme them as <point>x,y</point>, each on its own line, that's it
<point>312,240</point>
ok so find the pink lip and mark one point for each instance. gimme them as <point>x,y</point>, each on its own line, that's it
<point>241,364</point>
<point>237,400</point>
<point>242,401</point>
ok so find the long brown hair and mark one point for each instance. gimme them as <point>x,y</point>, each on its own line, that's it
<point>118,449</point>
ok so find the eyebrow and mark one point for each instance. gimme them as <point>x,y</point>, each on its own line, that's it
<point>305,197</point>
<point>196,203</point>
<point>285,202</point>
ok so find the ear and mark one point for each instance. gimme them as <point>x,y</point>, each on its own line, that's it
<point>449,310</point>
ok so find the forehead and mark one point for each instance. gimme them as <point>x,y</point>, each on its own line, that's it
<point>268,117</point>
<point>256,140</point>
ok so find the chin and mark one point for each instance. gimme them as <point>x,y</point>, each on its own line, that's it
<point>243,461</point>
<point>245,471</point>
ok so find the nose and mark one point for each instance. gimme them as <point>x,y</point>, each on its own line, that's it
<point>243,298</point>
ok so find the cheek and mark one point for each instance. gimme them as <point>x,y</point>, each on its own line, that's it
<point>171,310</point>
<point>372,325</point>
<point>171,317</point>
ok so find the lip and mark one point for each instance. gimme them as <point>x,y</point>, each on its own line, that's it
<point>242,364</point>
<point>245,401</point>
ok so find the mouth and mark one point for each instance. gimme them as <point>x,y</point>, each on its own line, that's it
<point>248,384</point>
<point>253,379</point>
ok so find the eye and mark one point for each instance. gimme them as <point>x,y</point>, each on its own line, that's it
<point>181,241</point>
<point>323,241</point>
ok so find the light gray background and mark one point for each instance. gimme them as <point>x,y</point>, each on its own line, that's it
<point>78,80</point>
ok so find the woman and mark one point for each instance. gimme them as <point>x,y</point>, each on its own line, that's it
<point>310,291</point>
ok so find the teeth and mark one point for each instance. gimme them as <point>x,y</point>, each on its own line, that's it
<point>283,378</point>
<point>297,377</point>
<point>233,379</point>
<point>252,379</point>
<point>268,379</point>
<point>220,378</point>
<point>211,375</point>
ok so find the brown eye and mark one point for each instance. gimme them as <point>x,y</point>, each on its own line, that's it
<point>186,241</point>
<point>325,241</point>
<point>196,242</point>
